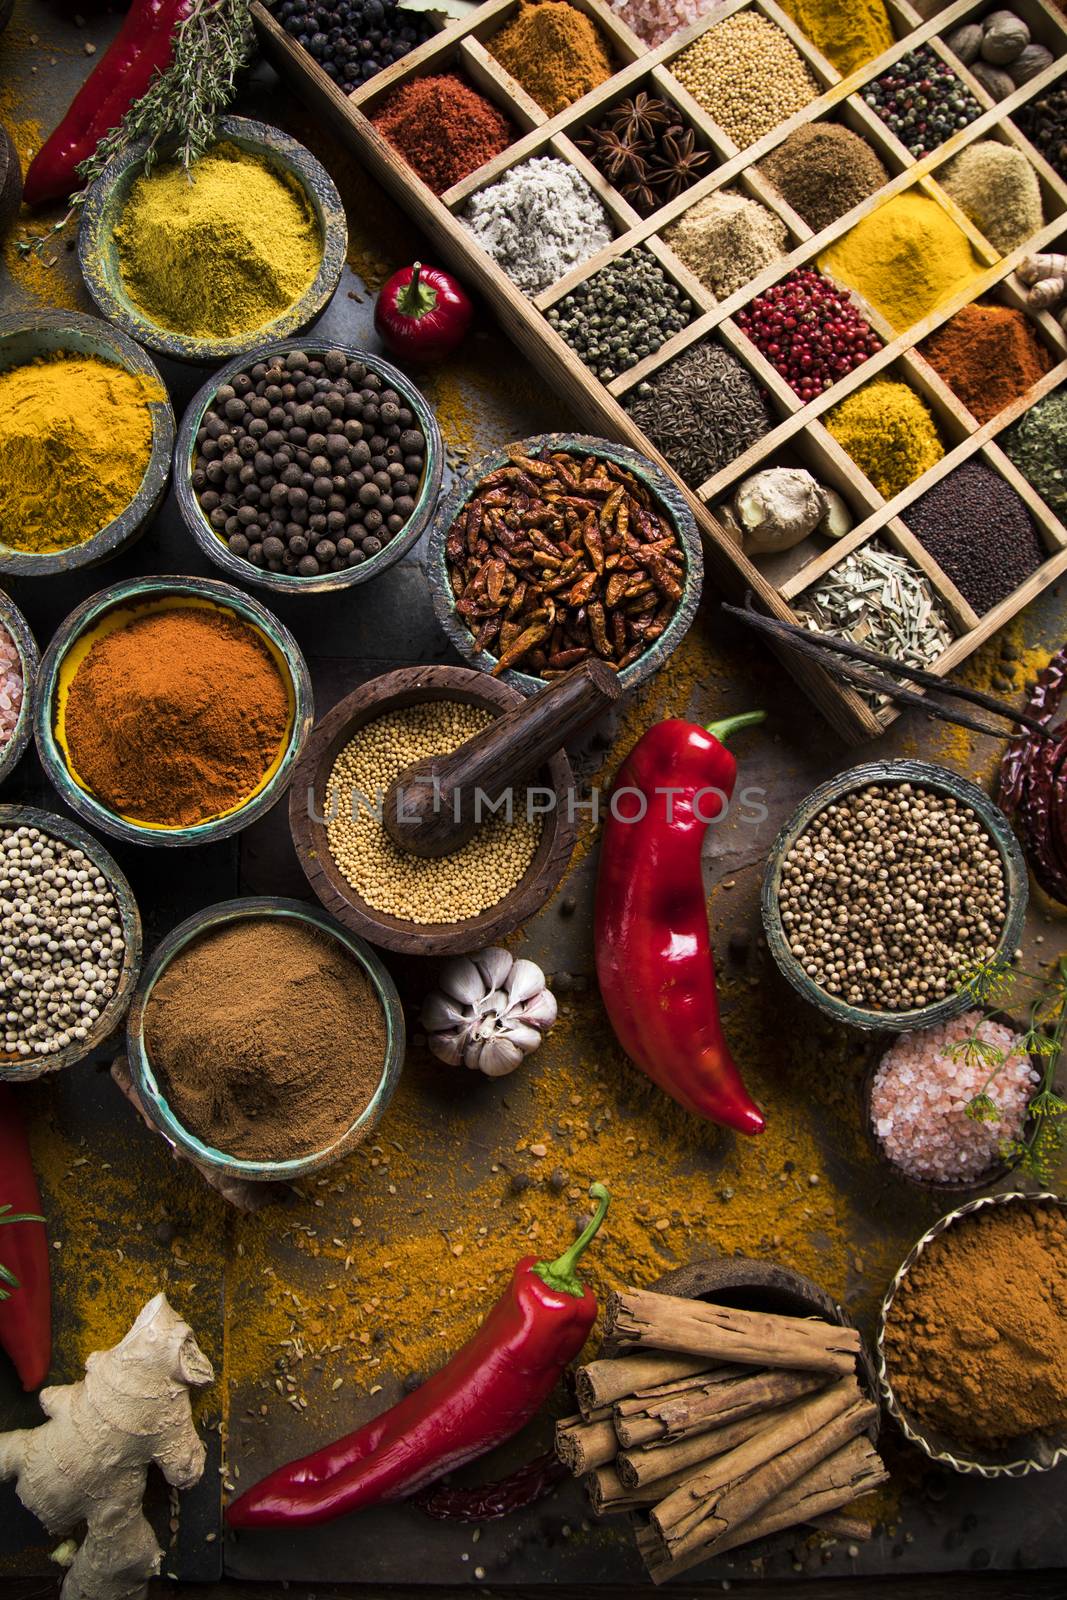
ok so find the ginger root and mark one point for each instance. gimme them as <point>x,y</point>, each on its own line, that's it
<point>89,1462</point>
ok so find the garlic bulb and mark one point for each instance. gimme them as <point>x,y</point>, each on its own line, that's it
<point>488,1012</point>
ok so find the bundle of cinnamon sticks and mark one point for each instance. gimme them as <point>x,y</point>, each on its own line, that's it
<point>720,1426</point>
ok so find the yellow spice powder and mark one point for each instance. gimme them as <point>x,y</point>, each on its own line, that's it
<point>219,250</point>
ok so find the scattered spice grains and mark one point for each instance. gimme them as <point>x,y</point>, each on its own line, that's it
<point>849,33</point>
<point>1044,121</point>
<point>974,1337</point>
<point>554,51</point>
<point>879,598</point>
<point>979,532</point>
<point>393,880</point>
<point>988,355</point>
<point>1035,443</point>
<point>11,687</point>
<point>701,411</point>
<point>726,239</point>
<point>747,75</point>
<point>538,221</point>
<point>921,100</point>
<point>623,313</point>
<point>443,128</point>
<point>809,330</point>
<point>646,150</point>
<point>890,893</point>
<point>822,170</point>
<point>921,1090</point>
<point>889,432</point>
<point>995,185</point>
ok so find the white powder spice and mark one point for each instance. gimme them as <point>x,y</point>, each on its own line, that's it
<point>538,221</point>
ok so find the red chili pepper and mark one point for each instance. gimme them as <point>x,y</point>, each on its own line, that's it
<point>485,1394</point>
<point>423,313</point>
<point>25,1290</point>
<point>653,949</point>
<point>143,45</point>
<point>488,1501</point>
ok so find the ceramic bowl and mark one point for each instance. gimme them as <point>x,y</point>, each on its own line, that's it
<point>121,603</point>
<point>942,781</point>
<point>670,503</point>
<point>307,817</point>
<point>29,655</point>
<point>155,1101</point>
<point>98,252</point>
<point>25,337</point>
<point>1018,1457</point>
<point>242,571</point>
<point>22,1070</point>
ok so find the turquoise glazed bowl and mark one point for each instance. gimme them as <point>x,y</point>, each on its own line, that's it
<point>99,259</point>
<point>136,597</point>
<point>670,503</point>
<point>25,1068</point>
<point>941,781</point>
<point>29,655</point>
<point>242,571</point>
<point>25,337</point>
<point>151,1094</point>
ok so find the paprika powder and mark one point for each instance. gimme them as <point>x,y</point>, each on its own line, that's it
<point>443,128</point>
<point>988,356</point>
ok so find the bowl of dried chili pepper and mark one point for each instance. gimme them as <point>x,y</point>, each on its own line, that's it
<point>560,548</point>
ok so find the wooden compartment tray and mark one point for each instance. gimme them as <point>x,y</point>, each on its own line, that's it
<point>799,434</point>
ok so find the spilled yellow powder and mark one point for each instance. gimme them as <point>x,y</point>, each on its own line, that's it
<point>906,259</point>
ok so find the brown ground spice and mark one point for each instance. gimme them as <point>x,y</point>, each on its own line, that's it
<point>267,1037</point>
<point>554,51</point>
<point>988,355</point>
<point>975,1338</point>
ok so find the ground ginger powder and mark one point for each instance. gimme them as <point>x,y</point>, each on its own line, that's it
<point>75,441</point>
<point>220,250</point>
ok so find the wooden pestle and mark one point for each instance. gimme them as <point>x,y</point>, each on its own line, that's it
<point>430,807</point>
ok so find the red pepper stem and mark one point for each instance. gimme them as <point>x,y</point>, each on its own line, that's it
<point>745,719</point>
<point>561,1274</point>
<point>416,299</point>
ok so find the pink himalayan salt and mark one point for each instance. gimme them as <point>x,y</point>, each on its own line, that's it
<point>10,686</point>
<point>655,20</point>
<point>920,1093</point>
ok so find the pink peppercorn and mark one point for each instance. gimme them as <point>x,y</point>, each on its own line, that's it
<point>809,331</point>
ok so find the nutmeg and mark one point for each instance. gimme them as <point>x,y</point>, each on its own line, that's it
<point>1004,37</point>
<point>966,42</point>
<point>1034,59</point>
<point>994,80</point>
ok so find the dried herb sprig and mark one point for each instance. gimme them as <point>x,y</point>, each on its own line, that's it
<point>8,1280</point>
<point>993,986</point>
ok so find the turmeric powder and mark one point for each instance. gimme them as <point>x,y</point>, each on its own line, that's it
<point>75,441</point>
<point>889,433</point>
<point>849,33</point>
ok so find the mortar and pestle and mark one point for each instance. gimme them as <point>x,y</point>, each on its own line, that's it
<point>433,808</point>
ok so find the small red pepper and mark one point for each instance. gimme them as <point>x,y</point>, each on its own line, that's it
<point>25,1288</point>
<point>423,313</point>
<point>485,1394</point>
<point>143,45</point>
<point>653,950</point>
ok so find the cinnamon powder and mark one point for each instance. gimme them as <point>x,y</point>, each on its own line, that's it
<point>267,1038</point>
<point>975,1337</point>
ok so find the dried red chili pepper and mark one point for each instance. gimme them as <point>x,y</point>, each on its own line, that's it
<point>653,949</point>
<point>485,1394</point>
<point>521,1488</point>
<point>1033,782</point>
<point>25,1287</point>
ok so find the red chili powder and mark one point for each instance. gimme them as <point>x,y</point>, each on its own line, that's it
<point>443,128</point>
<point>988,356</point>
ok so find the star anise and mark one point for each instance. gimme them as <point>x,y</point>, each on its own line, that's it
<point>640,195</point>
<point>640,118</point>
<point>680,162</point>
<point>615,156</point>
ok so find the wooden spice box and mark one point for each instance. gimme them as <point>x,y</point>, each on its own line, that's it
<point>799,435</point>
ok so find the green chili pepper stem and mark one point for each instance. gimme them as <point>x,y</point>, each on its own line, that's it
<point>745,719</point>
<point>416,298</point>
<point>560,1274</point>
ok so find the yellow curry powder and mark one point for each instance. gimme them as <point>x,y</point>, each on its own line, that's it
<point>75,440</point>
<point>219,250</point>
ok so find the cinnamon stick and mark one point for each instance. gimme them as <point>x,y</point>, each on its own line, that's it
<point>641,1468</point>
<point>858,1529</point>
<point>708,1403</point>
<point>601,1383</point>
<point>852,1471</point>
<point>582,1445</point>
<point>641,1318</point>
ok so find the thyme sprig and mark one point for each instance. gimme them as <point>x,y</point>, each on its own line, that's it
<point>181,106</point>
<point>993,986</point>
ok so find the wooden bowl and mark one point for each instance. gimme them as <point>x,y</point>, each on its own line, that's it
<point>29,655</point>
<point>23,1070</point>
<point>241,571</point>
<point>10,167</point>
<point>23,338</point>
<point>128,599</point>
<point>928,776</point>
<point>99,259</point>
<point>393,690</point>
<point>748,1285</point>
<point>671,505</point>
<point>152,1096</point>
<point>1031,1452</point>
